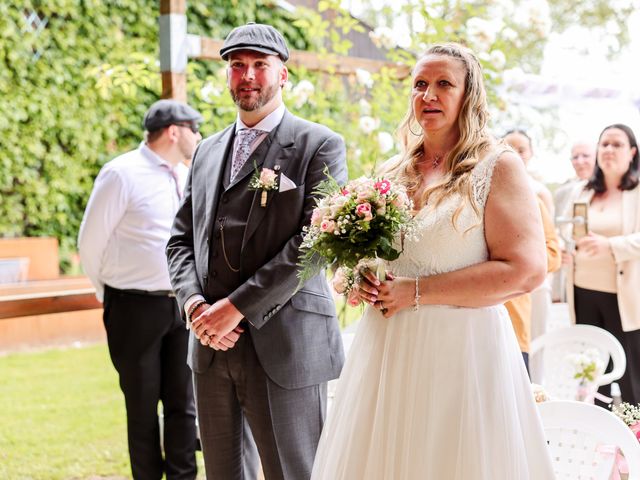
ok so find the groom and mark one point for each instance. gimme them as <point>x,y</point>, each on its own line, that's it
<point>261,353</point>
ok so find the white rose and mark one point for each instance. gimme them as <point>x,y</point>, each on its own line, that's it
<point>364,78</point>
<point>368,124</point>
<point>497,59</point>
<point>385,142</point>
<point>365,107</point>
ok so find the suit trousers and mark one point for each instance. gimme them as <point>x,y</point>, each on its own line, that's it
<point>601,309</point>
<point>285,423</point>
<point>148,346</point>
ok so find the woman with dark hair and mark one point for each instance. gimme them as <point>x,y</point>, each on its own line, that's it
<point>604,280</point>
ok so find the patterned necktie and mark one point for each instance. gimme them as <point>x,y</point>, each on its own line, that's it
<point>246,136</point>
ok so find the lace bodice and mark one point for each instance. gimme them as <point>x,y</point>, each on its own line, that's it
<point>439,246</point>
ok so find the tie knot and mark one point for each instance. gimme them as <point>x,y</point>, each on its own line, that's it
<point>248,135</point>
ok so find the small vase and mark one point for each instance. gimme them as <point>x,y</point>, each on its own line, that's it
<point>585,392</point>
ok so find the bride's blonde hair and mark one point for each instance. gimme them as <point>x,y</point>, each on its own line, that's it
<point>473,142</point>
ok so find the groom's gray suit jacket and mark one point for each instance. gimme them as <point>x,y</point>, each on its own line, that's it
<point>296,336</point>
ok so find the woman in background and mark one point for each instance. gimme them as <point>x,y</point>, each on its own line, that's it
<point>540,297</point>
<point>604,282</point>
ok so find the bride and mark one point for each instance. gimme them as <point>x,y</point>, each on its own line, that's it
<point>434,387</point>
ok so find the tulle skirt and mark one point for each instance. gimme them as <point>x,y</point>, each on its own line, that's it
<point>437,394</point>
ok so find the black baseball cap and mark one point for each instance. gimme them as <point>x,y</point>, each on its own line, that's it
<point>258,37</point>
<point>169,112</point>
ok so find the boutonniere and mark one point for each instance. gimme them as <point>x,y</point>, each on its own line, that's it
<point>265,180</point>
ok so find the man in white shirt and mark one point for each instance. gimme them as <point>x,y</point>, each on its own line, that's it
<point>583,160</point>
<point>122,239</point>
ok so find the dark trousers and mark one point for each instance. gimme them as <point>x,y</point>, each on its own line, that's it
<point>286,424</point>
<point>148,346</point>
<point>525,358</point>
<point>601,309</point>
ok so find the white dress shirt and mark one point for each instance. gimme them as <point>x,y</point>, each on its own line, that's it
<point>267,124</point>
<point>127,222</point>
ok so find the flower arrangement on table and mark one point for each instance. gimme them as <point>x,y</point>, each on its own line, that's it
<point>353,227</point>
<point>630,415</point>
<point>588,366</point>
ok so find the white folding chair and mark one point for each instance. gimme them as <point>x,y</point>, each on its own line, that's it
<point>557,375</point>
<point>578,435</point>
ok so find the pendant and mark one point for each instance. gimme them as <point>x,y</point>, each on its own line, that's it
<point>263,198</point>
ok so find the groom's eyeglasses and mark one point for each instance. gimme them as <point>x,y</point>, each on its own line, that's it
<point>191,126</point>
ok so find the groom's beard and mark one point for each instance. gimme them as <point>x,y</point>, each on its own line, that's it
<point>265,95</point>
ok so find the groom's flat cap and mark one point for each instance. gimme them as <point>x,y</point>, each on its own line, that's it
<point>258,37</point>
<point>169,112</point>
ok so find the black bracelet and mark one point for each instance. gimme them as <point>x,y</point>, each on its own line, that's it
<point>193,309</point>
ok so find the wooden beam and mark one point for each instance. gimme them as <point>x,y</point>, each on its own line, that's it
<point>174,85</point>
<point>12,306</point>
<point>330,63</point>
<point>172,6</point>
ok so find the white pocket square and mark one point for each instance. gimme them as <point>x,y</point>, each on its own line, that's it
<point>286,184</point>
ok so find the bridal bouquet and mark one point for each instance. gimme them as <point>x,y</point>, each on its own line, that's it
<point>629,414</point>
<point>353,226</point>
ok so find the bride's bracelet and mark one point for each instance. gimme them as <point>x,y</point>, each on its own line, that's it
<point>416,299</point>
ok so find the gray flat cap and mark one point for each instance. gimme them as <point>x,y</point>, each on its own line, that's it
<point>258,37</point>
<point>169,112</point>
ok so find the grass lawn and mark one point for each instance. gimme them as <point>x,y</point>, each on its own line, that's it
<point>62,416</point>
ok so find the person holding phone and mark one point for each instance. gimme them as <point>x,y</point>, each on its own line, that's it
<point>603,281</point>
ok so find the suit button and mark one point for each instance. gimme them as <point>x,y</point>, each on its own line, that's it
<point>214,274</point>
<point>225,199</point>
<point>214,254</point>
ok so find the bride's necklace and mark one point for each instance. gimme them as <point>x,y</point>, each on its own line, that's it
<point>436,161</point>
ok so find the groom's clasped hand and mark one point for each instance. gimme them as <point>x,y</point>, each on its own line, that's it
<point>217,325</point>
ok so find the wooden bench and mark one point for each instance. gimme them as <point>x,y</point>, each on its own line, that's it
<point>46,310</point>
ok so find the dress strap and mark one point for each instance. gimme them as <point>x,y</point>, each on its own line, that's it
<point>482,174</point>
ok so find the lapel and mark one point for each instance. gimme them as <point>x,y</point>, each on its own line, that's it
<point>630,200</point>
<point>214,171</point>
<point>280,151</point>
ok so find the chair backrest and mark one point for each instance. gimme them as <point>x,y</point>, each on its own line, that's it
<point>578,433</point>
<point>558,373</point>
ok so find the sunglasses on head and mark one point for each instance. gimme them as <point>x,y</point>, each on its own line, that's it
<point>191,126</point>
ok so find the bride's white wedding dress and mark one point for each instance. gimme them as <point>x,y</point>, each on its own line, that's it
<point>441,393</point>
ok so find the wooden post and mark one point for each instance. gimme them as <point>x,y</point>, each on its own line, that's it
<point>173,49</point>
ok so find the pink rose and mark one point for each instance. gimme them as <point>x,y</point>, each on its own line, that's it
<point>328,226</point>
<point>400,200</point>
<point>267,176</point>
<point>363,196</point>
<point>364,210</point>
<point>383,186</point>
<point>635,428</point>
<point>339,281</point>
<point>316,217</point>
<point>353,299</point>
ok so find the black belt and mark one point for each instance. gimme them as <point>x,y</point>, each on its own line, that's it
<point>148,293</point>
